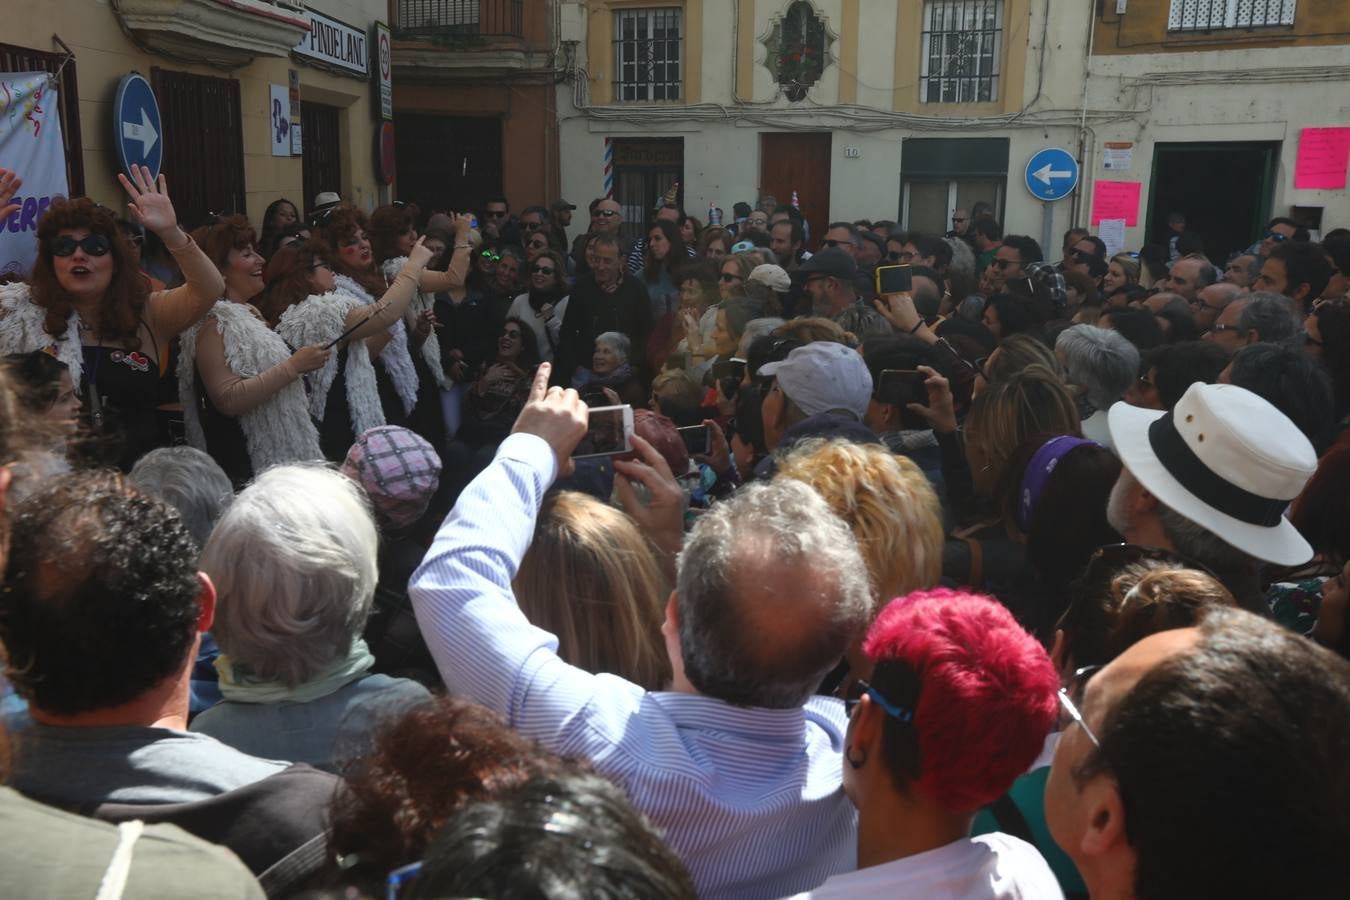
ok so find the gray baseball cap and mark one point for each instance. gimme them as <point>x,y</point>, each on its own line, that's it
<point>824,376</point>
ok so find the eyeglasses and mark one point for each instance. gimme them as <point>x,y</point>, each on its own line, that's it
<point>727,277</point>
<point>900,256</point>
<point>92,244</point>
<point>1071,696</point>
<point>1216,329</point>
<point>533,226</point>
<point>540,270</point>
<point>606,213</point>
<point>1276,236</point>
<point>861,688</point>
<point>136,240</point>
<point>1002,264</point>
<point>1081,255</point>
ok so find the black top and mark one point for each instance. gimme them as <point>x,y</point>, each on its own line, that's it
<point>591,312</point>
<point>124,414</point>
<point>335,432</point>
<point>225,439</point>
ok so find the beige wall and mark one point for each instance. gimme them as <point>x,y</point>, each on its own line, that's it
<point>104,53</point>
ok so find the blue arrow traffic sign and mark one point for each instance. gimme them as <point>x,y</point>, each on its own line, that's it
<point>1052,174</point>
<point>138,132</point>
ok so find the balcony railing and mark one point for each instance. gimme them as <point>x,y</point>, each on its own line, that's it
<point>461,18</point>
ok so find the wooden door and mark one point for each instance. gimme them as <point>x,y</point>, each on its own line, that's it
<point>801,163</point>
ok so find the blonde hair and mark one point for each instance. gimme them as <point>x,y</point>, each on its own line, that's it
<point>593,580</point>
<point>1129,265</point>
<point>887,502</point>
<point>809,329</point>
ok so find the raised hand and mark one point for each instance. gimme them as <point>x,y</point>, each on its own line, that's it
<point>9,186</point>
<point>663,517</point>
<point>718,457</point>
<point>150,204</point>
<point>941,410</point>
<point>556,415</point>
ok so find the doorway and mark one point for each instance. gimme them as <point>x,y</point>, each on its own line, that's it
<point>1223,189</point>
<point>801,163</point>
<point>448,163</point>
<point>321,145</point>
<point>645,169</point>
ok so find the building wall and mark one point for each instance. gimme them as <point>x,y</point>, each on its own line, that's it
<point>867,98</point>
<point>104,53</point>
<point>1226,90</point>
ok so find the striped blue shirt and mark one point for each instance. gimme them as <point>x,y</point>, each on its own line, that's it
<point>751,799</point>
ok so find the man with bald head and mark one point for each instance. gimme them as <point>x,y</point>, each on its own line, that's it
<point>1209,302</point>
<point>606,219</point>
<point>1189,274</point>
<point>1253,800</point>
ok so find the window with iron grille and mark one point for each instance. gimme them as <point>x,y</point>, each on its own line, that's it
<point>203,143</point>
<point>962,51</point>
<point>647,54</point>
<point>1207,15</point>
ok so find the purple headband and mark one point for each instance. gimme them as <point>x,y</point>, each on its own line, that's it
<point>1043,462</point>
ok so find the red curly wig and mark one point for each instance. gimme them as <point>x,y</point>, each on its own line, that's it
<point>340,227</point>
<point>982,691</point>
<point>119,315</point>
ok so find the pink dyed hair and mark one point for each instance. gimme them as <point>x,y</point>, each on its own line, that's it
<point>986,695</point>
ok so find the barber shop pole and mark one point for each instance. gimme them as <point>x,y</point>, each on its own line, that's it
<point>608,168</point>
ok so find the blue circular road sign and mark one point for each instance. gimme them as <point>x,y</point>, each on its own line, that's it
<point>138,132</point>
<point>1052,174</point>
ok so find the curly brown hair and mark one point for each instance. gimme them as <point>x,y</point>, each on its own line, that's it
<point>340,227</point>
<point>119,315</point>
<point>286,278</point>
<point>420,769</point>
<point>387,225</point>
<point>226,233</point>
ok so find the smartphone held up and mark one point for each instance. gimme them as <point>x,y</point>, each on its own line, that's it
<point>609,432</point>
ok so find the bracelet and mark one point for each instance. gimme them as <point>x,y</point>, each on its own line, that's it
<point>463,246</point>
<point>916,327</point>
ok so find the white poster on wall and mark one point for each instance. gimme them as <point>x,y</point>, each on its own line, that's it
<point>31,147</point>
<point>281,119</point>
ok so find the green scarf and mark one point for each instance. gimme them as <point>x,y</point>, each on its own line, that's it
<point>241,685</point>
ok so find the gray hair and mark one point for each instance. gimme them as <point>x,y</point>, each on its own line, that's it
<point>1253,267</point>
<point>864,322</point>
<point>188,480</point>
<point>618,342</point>
<point>780,526</point>
<point>756,329</point>
<point>293,562</point>
<point>1207,273</point>
<point>1102,362</point>
<point>963,258</point>
<point>1198,542</point>
<point>1271,316</point>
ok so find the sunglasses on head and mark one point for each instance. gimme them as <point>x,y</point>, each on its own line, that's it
<point>92,244</point>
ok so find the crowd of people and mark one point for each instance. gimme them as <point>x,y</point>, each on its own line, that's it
<point>1027,581</point>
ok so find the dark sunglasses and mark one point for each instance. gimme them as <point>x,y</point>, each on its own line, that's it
<point>542,271</point>
<point>92,244</point>
<point>1081,255</point>
<point>606,213</point>
<point>534,226</point>
<point>861,688</point>
<point>1276,236</point>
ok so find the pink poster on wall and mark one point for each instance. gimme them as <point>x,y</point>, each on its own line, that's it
<point>1116,200</point>
<point>1323,154</point>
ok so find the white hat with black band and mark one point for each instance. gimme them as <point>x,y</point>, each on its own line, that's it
<point>1227,460</point>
